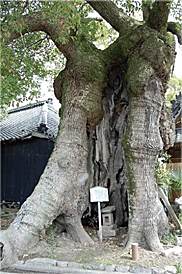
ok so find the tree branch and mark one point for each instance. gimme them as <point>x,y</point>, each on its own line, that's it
<point>38,41</point>
<point>110,12</point>
<point>37,22</point>
<point>146,6</point>
<point>158,15</point>
<point>175,28</point>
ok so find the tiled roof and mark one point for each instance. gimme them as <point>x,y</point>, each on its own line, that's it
<point>38,119</point>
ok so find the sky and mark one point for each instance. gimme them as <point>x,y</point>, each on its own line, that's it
<point>178,62</point>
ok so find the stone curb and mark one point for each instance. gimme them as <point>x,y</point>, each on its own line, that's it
<point>54,266</point>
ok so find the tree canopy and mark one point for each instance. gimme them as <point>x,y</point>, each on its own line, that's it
<point>26,40</point>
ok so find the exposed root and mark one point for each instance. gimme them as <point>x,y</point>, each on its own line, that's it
<point>77,232</point>
<point>153,241</point>
<point>8,251</point>
<point>149,238</point>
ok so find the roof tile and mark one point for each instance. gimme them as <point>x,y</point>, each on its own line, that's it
<point>22,121</point>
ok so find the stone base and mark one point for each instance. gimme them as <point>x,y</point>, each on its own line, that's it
<point>110,231</point>
<point>108,227</point>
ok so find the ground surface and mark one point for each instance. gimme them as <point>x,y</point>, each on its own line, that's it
<point>61,247</point>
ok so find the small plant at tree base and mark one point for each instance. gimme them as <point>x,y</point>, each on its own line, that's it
<point>51,255</point>
<point>163,174</point>
<point>51,236</point>
<point>167,179</point>
<point>58,244</point>
<point>180,217</point>
<point>179,268</point>
<point>168,239</point>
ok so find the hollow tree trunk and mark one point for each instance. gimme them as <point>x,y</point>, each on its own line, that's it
<point>142,142</point>
<point>62,190</point>
<point>108,158</point>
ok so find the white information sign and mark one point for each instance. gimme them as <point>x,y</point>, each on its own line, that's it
<point>99,194</point>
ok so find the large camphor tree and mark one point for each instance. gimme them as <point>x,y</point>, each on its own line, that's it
<point>114,123</point>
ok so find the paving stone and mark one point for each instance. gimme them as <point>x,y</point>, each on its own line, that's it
<point>139,270</point>
<point>110,268</point>
<point>75,265</point>
<point>61,264</point>
<point>122,268</point>
<point>98,267</point>
<point>157,270</point>
<point>178,240</point>
<point>41,261</point>
<point>169,269</point>
<point>174,250</point>
<point>87,266</point>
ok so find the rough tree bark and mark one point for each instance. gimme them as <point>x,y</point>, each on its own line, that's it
<point>142,145</point>
<point>136,68</point>
<point>142,141</point>
<point>149,59</point>
<point>63,187</point>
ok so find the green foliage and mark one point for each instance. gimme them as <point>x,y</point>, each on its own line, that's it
<point>179,268</point>
<point>180,217</point>
<point>163,175</point>
<point>176,10</point>
<point>174,87</point>
<point>33,57</point>
<point>176,179</point>
<point>22,68</point>
<point>167,179</point>
<point>51,237</point>
<point>168,239</point>
<point>129,7</point>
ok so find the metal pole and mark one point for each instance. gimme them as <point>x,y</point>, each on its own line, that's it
<point>100,226</point>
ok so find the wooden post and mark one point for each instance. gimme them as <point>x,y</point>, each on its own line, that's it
<point>170,209</point>
<point>135,254</point>
<point>100,225</point>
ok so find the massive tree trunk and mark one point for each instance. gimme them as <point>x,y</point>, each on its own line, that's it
<point>146,82</point>
<point>63,187</point>
<point>142,143</point>
<point>124,85</point>
<point>147,69</point>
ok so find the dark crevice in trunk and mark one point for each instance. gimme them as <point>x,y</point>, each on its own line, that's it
<point>108,158</point>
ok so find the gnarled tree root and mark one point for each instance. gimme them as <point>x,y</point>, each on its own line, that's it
<point>8,252</point>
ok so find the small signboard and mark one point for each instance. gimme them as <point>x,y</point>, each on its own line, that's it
<point>99,194</point>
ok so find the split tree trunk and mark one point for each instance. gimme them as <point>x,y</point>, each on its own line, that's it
<point>63,190</point>
<point>108,157</point>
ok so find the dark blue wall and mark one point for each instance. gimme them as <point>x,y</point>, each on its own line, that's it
<point>22,163</point>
